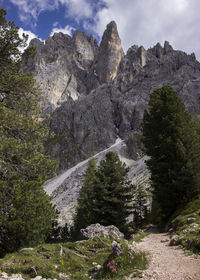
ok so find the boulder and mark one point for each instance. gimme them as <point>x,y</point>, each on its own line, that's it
<point>189,230</point>
<point>99,230</point>
<point>116,249</point>
<point>175,240</point>
<point>63,276</point>
<point>4,276</point>
<point>191,219</point>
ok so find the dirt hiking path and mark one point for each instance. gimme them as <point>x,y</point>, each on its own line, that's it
<point>166,262</point>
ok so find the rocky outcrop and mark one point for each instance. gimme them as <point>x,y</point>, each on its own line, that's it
<point>65,187</point>
<point>69,67</point>
<point>117,248</point>
<point>85,48</point>
<point>92,123</point>
<point>174,240</point>
<point>110,54</point>
<point>87,117</point>
<point>97,94</point>
<point>111,232</point>
<point>62,65</point>
<point>83,128</point>
<point>5,276</point>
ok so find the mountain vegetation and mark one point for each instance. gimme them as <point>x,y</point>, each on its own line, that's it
<point>106,194</point>
<point>89,259</point>
<point>25,210</point>
<point>171,140</point>
<point>95,95</point>
<point>185,224</point>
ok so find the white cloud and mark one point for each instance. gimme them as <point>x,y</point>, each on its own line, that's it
<point>30,34</point>
<point>141,22</point>
<point>66,30</point>
<point>146,22</point>
<point>56,24</point>
<point>78,9</point>
<point>29,10</point>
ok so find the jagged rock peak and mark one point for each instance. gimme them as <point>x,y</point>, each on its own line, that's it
<point>138,55</point>
<point>167,47</point>
<point>110,54</point>
<point>159,51</point>
<point>112,28</point>
<point>86,48</point>
<point>37,43</point>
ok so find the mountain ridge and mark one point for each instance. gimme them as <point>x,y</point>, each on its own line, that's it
<point>95,93</point>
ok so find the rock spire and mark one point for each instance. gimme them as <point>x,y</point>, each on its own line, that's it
<point>110,54</point>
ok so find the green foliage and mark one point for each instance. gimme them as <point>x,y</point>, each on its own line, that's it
<point>76,260</point>
<point>25,210</point>
<point>116,267</point>
<point>112,192</point>
<point>106,194</point>
<point>186,223</point>
<point>172,142</point>
<point>140,205</point>
<point>139,236</point>
<point>9,42</point>
<point>29,53</point>
<point>134,145</point>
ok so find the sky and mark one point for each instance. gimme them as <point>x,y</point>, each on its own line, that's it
<point>140,22</point>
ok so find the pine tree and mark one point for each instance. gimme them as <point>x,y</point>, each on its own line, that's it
<point>112,192</point>
<point>106,195</point>
<point>25,209</point>
<point>171,142</point>
<point>140,204</point>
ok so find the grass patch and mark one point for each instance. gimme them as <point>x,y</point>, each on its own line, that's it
<point>187,226</point>
<point>75,259</point>
<point>139,236</point>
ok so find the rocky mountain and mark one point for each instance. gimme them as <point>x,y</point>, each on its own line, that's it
<point>65,187</point>
<point>96,94</point>
<point>90,124</point>
<point>69,67</point>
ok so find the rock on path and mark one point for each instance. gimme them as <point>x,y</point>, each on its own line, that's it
<point>167,263</point>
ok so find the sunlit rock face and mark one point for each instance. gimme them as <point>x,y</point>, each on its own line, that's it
<point>93,122</point>
<point>96,93</point>
<point>110,54</point>
<point>69,67</point>
<point>62,67</point>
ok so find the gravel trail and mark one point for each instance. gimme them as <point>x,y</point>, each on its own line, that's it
<point>166,262</point>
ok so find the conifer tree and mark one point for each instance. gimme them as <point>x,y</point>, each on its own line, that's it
<point>140,204</point>
<point>106,195</point>
<point>112,192</point>
<point>171,142</point>
<point>25,209</point>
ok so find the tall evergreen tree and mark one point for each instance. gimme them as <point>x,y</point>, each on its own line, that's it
<point>25,209</point>
<point>140,205</point>
<point>106,195</point>
<point>171,142</point>
<point>112,192</point>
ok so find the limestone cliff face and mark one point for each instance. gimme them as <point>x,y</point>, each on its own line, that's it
<point>96,93</point>
<point>69,67</point>
<point>93,122</point>
<point>110,54</point>
<point>62,67</point>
